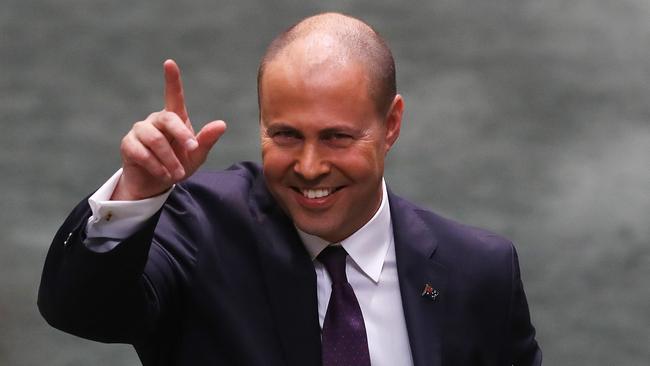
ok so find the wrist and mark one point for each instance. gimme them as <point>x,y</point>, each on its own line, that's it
<point>128,192</point>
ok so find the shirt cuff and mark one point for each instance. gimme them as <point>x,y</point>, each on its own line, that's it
<point>114,221</point>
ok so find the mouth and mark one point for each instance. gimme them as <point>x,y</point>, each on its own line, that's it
<point>316,193</point>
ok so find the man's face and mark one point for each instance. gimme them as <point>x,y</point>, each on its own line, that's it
<point>323,145</point>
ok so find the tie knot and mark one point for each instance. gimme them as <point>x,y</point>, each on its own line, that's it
<point>333,258</point>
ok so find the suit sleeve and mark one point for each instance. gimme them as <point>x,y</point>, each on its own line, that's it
<point>524,348</point>
<point>122,295</point>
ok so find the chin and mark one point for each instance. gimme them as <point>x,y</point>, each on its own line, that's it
<point>322,231</point>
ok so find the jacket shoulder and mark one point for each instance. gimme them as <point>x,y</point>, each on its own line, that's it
<point>238,177</point>
<point>455,241</point>
<point>218,189</point>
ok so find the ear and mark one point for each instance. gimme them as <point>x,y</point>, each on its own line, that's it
<point>393,121</point>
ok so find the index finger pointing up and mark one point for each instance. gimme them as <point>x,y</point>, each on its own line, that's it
<point>174,99</point>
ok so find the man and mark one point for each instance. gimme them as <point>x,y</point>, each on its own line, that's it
<point>307,260</point>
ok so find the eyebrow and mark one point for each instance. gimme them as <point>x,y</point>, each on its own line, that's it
<point>340,128</point>
<point>333,130</point>
<point>280,126</point>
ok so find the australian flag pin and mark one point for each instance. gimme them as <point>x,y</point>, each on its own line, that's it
<point>430,292</point>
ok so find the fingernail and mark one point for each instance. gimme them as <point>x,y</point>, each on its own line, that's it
<point>191,144</point>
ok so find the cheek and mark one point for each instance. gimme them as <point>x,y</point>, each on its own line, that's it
<point>362,163</point>
<point>276,162</point>
<point>372,154</point>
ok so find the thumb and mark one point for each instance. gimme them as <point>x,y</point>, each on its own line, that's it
<point>208,136</point>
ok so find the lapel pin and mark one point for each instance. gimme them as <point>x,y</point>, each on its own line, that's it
<point>430,292</point>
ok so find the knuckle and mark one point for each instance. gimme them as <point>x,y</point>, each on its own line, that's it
<point>126,145</point>
<point>159,119</point>
<point>157,141</point>
<point>166,116</point>
<point>124,150</point>
<point>135,155</point>
<point>138,126</point>
<point>141,155</point>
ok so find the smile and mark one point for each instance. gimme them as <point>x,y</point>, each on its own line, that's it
<point>315,193</point>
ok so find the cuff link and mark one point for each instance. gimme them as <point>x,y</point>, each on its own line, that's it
<point>66,242</point>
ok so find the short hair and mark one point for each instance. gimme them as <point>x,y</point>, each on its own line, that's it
<point>358,41</point>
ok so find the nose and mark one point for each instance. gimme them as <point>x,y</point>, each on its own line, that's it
<point>310,164</point>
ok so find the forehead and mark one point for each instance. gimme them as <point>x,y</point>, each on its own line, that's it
<point>316,55</point>
<point>316,79</point>
<point>292,90</point>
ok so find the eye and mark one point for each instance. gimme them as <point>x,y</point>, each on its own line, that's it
<point>285,137</point>
<point>338,139</point>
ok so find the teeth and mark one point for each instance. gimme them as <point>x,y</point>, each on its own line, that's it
<point>316,193</point>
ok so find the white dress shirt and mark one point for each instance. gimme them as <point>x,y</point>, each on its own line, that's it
<point>114,221</point>
<point>371,267</point>
<point>372,272</point>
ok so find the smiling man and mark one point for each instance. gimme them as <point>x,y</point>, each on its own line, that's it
<point>306,260</point>
<point>324,136</point>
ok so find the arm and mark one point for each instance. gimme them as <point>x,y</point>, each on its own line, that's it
<point>100,296</point>
<point>122,294</point>
<point>113,221</point>
<point>525,351</point>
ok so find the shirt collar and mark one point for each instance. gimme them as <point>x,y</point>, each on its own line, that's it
<point>368,246</point>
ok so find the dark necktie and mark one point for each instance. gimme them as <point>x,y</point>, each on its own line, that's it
<point>344,341</point>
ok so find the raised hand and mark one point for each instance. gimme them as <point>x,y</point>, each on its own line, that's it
<point>163,149</point>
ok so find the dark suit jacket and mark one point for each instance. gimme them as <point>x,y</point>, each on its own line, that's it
<point>220,277</point>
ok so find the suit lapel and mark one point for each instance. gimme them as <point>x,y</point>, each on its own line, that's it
<point>415,245</point>
<point>290,280</point>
